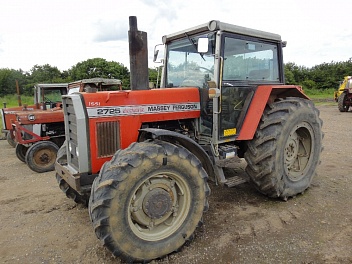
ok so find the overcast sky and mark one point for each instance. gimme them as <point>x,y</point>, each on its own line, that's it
<point>64,32</point>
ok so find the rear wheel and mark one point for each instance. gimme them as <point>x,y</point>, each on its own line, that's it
<point>284,153</point>
<point>10,139</point>
<point>21,151</point>
<point>342,103</point>
<point>148,200</point>
<point>41,156</point>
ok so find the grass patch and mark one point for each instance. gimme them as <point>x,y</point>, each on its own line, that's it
<point>321,97</point>
<point>320,93</point>
<point>11,100</point>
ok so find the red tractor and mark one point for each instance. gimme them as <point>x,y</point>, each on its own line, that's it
<point>45,96</point>
<point>141,158</point>
<point>40,133</point>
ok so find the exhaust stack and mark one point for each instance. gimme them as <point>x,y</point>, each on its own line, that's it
<point>138,48</point>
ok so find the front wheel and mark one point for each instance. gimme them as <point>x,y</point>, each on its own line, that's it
<point>283,156</point>
<point>10,139</point>
<point>148,200</point>
<point>41,156</point>
<point>21,151</point>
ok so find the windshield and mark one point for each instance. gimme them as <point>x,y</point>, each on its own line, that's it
<point>52,95</point>
<point>250,60</point>
<point>187,67</point>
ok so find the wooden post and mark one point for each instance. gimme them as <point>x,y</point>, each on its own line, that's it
<point>18,94</point>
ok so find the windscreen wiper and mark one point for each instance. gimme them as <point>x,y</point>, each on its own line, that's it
<point>194,45</point>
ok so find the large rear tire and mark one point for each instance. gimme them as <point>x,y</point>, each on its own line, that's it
<point>341,103</point>
<point>21,151</point>
<point>148,200</point>
<point>283,156</point>
<point>41,156</point>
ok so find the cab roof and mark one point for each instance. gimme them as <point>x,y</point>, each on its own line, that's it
<point>215,25</point>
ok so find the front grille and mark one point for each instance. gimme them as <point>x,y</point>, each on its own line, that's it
<point>71,132</point>
<point>108,138</point>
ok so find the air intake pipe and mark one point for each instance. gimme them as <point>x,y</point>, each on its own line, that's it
<point>138,48</point>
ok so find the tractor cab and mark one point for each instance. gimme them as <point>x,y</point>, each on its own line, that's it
<point>48,95</point>
<point>234,60</point>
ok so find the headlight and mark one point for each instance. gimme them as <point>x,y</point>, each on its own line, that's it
<point>31,117</point>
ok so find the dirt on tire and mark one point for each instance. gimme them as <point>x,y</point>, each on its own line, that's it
<point>39,224</point>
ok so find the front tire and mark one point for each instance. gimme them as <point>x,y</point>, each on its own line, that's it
<point>21,151</point>
<point>285,151</point>
<point>64,186</point>
<point>148,200</point>
<point>41,156</point>
<point>10,139</point>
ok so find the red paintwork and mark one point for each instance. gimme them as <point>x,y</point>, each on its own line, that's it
<point>10,113</point>
<point>259,101</point>
<point>130,124</point>
<point>41,117</point>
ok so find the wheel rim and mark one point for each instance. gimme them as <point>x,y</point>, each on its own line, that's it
<point>44,157</point>
<point>298,150</point>
<point>159,206</point>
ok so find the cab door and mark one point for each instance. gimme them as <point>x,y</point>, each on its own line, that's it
<point>246,63</point>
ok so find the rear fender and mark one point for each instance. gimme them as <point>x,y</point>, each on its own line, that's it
<point>184,141</point>
<point>265,94</point>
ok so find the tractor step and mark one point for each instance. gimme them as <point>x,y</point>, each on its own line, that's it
<point>234,181</point>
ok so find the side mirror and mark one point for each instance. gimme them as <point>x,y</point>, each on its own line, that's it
<point>203,45</point>
<point>156,53</point>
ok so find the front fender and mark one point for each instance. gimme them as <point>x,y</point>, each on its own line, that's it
<point>184,141</point>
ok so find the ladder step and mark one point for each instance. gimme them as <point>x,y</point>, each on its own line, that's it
<point>234,181</point>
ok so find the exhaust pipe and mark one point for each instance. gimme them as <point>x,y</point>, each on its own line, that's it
<point>138,48</point>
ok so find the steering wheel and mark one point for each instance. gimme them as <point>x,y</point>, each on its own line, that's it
<point>203,68</point>
<point>47,100</point>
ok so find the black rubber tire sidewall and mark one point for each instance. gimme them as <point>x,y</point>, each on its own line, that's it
<point>292,188</point>
<point>21,151</point>
<point>265,154</point>
<point>10,139</point>
<point>341,103</point>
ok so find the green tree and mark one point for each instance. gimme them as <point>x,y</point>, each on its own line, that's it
<point>98,67</point>
<point>289,76</point>
<point>8,79</point>
<point>153,75</point>
<point>43,74</point>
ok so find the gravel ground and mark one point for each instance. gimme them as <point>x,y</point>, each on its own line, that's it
<point>40,225</point>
